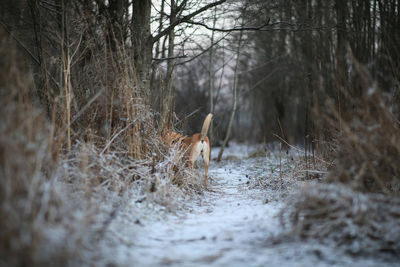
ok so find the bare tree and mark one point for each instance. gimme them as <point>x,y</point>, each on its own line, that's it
<point>142,42</point>
<point>211,72</point>
<point>234,93</point>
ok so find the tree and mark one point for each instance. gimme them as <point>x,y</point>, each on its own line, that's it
<point>235,95</point>
<point>301,60</point>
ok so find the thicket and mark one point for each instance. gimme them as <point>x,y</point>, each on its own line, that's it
<point>81,120</point>
<point>74,154</point>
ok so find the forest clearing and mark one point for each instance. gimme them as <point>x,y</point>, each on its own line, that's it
<point>304,133</point>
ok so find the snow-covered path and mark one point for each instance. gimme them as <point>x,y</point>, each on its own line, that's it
<point>224,228</point>
<point>229,225</point>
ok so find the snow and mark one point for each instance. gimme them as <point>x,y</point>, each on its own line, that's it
<point>236,150</point>
<point>217,228</point>
<point>230,224</point>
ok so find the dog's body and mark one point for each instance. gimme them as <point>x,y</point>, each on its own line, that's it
<point>195,145</point>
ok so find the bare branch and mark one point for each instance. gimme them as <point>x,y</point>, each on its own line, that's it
<point>203,50</point>
<point>185,19</point>
<point>229,30</point>
<point>21,44</point>
<point>169,58</point>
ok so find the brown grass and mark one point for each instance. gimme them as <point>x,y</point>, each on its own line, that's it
<point>367,156</point>
<point>63,181</point>
<point>29,197</point>
<point>358,223</point>
<point>357,206</point>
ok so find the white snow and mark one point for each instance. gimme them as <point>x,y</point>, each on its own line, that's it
<point>230,224</point>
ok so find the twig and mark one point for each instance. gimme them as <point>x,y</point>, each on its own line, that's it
<point>115,136</point>
<point>298,149</point>
<point>185,19</point>
<point>77,47</point>
<point>231,29</point>
<point>191,114</point>
<point>21,44</point>
<point>280,165</point>
<point>86,106</point>
<point>169,58</point>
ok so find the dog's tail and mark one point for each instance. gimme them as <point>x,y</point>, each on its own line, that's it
<point>206,125</point>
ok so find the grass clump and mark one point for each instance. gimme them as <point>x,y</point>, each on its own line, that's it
<point>356,222</point>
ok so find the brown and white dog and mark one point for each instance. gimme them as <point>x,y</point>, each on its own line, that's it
<point>195,145</point>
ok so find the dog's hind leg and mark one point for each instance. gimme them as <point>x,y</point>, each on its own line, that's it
<point>206,158</point>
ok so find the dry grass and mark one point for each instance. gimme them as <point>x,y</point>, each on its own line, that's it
<point>368,139</point>
<point>30,200</point>
<point>357,206</point>
<point>281,170</point>
<point>359,223</point>
<point>56,201</point>
<point>367,157</point>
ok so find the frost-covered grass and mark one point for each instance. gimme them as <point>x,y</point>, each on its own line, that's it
<point>356,205</point>
<point>57,203</point>
<point>355,222</point>
<point>57,210</point>
<point>233,223</point>
<point>339,214</point>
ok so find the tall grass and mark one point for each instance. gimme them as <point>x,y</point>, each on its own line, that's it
<point>357,206</point>
<point>64,181</point>
<point>368,151</point>
<point>30,199</point>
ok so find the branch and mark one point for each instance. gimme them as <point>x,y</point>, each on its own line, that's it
<point>259,82</point>
<point>229,30</point>
<point>85,107</point>
<point>115,136</point>
<point>185,19</point>
<point>204,51</point>
<point>296,27</point>
<point>169,58</point>
<point>21,44</point>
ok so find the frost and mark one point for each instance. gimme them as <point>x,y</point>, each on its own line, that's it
<point>234,223</point>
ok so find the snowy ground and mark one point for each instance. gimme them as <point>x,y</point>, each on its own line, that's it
<point>231,224</point>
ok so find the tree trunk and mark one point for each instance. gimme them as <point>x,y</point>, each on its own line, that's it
<point>167,105</point>
<point>211,73</point>
<point>341,68</point>
<point>115,31</point>
<point>234,106</point>
<point>142,44</point>
<point>158,48</point>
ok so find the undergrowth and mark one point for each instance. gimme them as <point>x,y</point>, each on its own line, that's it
<point>356,206</point>
<point>60,189</point>
<point>355,222</point>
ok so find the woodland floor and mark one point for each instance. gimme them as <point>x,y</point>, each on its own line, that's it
<point>233,223</point>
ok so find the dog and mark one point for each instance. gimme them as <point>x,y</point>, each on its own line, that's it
<point>195,145</point>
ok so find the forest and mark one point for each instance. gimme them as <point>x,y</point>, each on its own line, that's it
<point>305,133</point>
